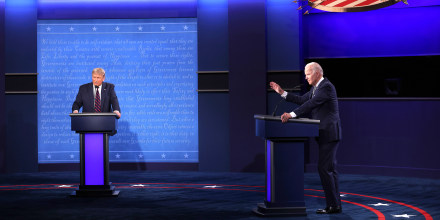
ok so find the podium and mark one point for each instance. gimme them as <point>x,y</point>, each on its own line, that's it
<point>94,131</point>
<point>284,163</point>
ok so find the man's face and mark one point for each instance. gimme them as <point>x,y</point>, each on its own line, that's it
<point>97,79</point>
<point>311,77</point>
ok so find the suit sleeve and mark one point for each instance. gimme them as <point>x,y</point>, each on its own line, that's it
<point>321,97</point>
<point>297,99</point>
<point>78,103</point>
<point>114,99</point>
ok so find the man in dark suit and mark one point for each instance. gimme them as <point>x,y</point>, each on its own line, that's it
<point>322,103</point>
<point>97,96</point>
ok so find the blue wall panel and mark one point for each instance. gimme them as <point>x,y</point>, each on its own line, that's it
<point>2,87</point>
<point>214,152</point>
<point>21,133</point>
<point>20,109</point>
<point>21,36</point>
<point>391,32</point>
<point>87,9</point>
<point>212,21</point>
<point>283,35</point>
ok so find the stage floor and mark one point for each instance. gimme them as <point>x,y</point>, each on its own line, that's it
<point>209,195</point>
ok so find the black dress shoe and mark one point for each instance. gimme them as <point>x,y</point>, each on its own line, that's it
<point>329,210</point>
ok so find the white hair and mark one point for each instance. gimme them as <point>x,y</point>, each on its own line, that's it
<point>99,71</point>
<point>315,67</point>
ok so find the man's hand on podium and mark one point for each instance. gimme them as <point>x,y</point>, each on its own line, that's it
<point>75,111</point>
<point>117,113</point>
<point>285,117</point>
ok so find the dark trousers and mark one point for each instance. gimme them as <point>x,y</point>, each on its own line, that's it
<point>328,173</point>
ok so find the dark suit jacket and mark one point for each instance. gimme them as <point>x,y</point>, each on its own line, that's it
<point>86,100</point>
<point>322,106</point>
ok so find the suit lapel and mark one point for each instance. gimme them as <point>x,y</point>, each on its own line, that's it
<point>90,92</point>
<point>103,94</point>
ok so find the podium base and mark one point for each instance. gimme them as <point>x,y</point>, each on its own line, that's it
<point>262,210</point>
<point>111,192</point>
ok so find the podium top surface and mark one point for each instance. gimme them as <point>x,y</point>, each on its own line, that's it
<point>278,118</point>
<point>92,114</point>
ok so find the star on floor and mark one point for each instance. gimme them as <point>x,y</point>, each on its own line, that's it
<point>185,28</point>
<point>71,29</point>
<point>162,28</point>
<point>64,186</point>
<point>118,156</point>
<point>140,28</point>
<point>212,186</point>
<point>48,29</point>
<point>72,156</point>
<point>380,204</point>
<point>186,156</point>
<point>403,216</point>
<point>163,155</point>
<point>117,28</point>
<point>138,185</point>
<point>94,28</point>
<point>141,156</point>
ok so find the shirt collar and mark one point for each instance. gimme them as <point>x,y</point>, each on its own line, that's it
<point>317,84</point>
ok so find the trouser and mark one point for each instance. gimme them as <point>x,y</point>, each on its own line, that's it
<point>328,173</point>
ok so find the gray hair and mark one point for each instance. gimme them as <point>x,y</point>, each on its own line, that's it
<point>99,71</point>
<point>315,68</point>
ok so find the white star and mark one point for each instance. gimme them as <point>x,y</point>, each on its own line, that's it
<point>140,156</point>
<point>140,28</point>
<point>71,29</point>
<point>162,28</point>
<point>381,204</point>
<point>186,155</point>
<point>64,186</point>
<point>117,28</point>
<point>163,155</point>
<point>117,156</point>
<point>49,156</point>
<point>185,28</point>
<point>94,28</point>
<point>403,216</point>
<point>212,187</point>
<point>48,29</point>
<point>138,185</point>
<point>72,156</point>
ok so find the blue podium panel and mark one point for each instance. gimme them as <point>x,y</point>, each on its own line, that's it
<point>94,159</point>
<point>284,163</point>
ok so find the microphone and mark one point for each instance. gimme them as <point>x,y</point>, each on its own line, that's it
<point>276,106</point>
<point>282,99</point>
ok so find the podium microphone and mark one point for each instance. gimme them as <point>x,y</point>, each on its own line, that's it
<point>275,110</point>
<point>282,99</point>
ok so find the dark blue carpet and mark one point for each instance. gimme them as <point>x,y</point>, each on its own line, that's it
<point>203,195</point>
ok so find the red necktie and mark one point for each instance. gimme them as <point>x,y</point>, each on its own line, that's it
<point>97,100</point>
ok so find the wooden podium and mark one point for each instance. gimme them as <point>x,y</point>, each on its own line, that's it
<point>284,163</point>
<point>94,130</point>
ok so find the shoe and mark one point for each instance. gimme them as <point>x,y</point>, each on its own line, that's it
<point>329,210</point>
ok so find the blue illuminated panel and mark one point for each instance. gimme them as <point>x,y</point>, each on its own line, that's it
<point>94,159</point>
<point>268,171</point>
<point>153,64</point>
<point>379,33</point>
<point>92,9</point>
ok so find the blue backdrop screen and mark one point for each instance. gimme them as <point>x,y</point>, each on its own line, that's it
<point>153,64</point>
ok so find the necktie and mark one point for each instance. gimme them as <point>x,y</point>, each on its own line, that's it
<point>314,89</point>
<point>97,100</point>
